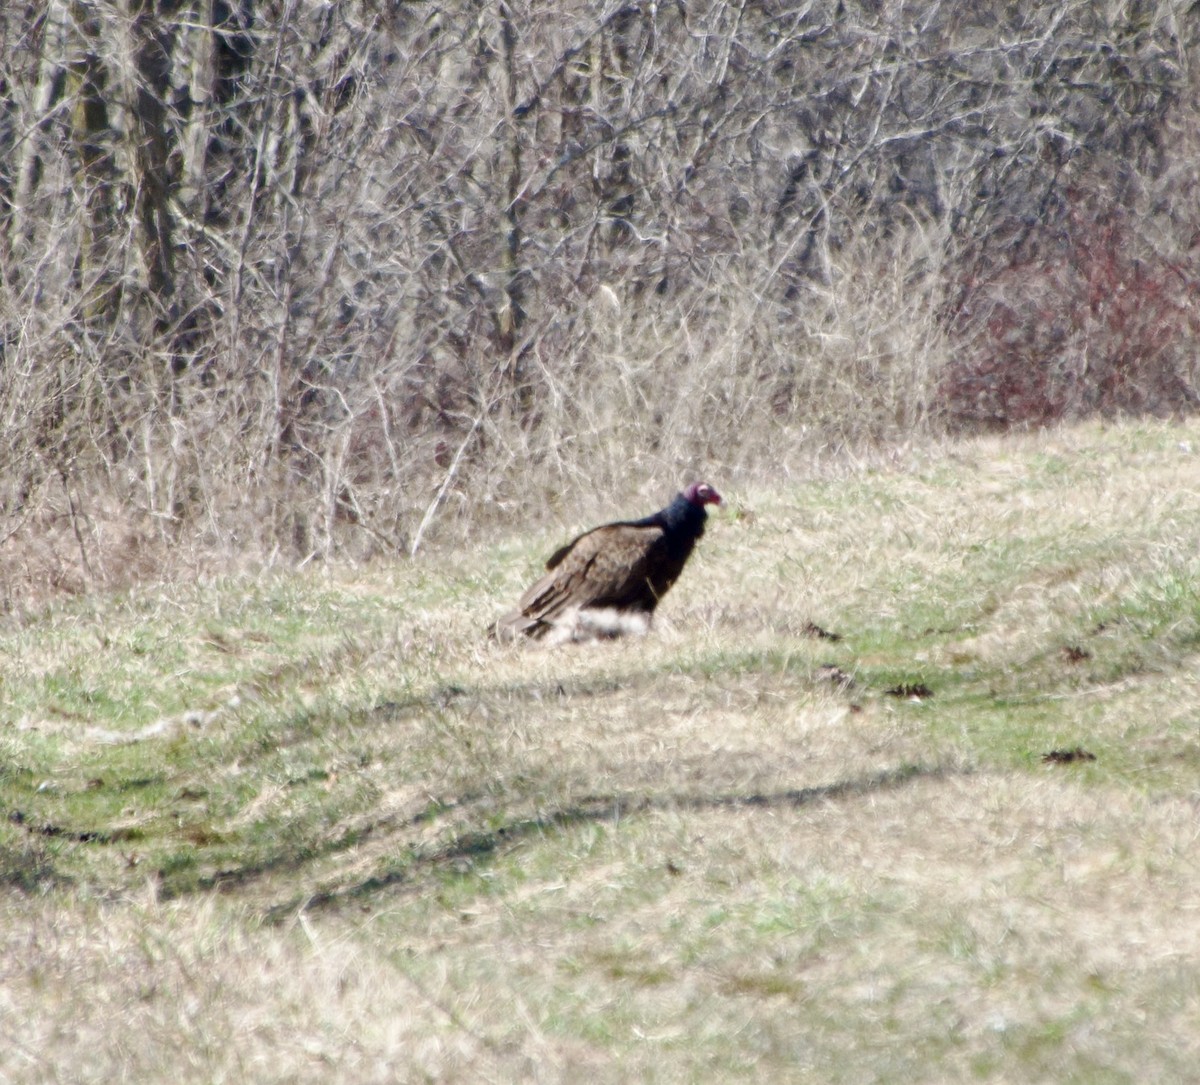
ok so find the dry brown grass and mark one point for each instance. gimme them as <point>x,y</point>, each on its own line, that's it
<point>915,934</point>
<point>397,852</point>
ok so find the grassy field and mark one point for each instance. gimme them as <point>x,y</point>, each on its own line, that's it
<point>316,827</point>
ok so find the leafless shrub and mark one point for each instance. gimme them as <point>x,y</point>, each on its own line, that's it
<point>297,279</point>
<point>1099,323</point>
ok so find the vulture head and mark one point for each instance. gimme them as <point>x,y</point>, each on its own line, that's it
<point>701,494</point>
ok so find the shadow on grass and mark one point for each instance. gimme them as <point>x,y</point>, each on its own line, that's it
<point>609,809</point>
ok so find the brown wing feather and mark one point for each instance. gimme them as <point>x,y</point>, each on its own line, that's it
<point>609,566</point>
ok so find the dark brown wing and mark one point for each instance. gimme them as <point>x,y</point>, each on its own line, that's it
<point>611,566</point>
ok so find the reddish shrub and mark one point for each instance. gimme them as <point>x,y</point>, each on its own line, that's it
<point>1087,319</point>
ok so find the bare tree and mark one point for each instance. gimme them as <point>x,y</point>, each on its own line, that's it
<point>320,271</point>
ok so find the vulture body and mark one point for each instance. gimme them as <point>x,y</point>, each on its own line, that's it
<point>609,580</point>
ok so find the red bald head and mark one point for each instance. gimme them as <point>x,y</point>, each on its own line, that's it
<point>701,494</point>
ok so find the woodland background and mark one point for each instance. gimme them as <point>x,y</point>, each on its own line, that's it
<point>300,278</point>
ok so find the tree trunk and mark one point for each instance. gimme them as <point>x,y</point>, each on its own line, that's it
<point>88,87</point>
<point>152,186</point>
<point>512,315</point>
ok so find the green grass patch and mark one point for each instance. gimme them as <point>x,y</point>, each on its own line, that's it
<point>900,787</point>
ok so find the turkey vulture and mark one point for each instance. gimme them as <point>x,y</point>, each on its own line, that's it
<point>609,580</point>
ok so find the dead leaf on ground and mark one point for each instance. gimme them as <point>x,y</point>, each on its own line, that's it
<point>912,691</point>
<point>832,673</point>
<point>1067,757</point>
